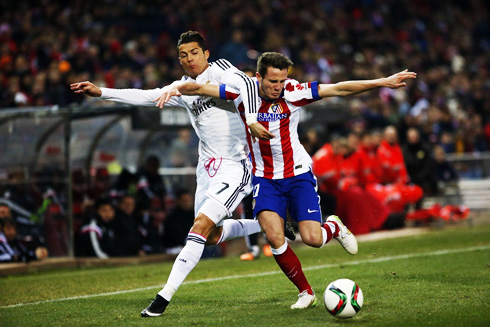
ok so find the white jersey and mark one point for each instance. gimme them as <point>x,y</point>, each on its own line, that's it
<point>216,122</point>
<point>283,156</point>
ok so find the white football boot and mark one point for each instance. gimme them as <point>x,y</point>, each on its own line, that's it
<point>305,300</point>
<point>345,238</point>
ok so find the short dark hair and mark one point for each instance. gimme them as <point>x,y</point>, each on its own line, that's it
<point>192,36</point>
<point>272,59</point>
<point>180,192</point>
<point>8,221</point>
<point>102,202</point>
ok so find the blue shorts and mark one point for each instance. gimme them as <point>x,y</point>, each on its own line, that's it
<point>297,194</point>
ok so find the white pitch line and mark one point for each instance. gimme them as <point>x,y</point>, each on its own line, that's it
<point>350,263</point>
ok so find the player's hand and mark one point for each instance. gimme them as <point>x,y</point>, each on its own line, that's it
<point>260,132</point>
<point>397,80</point>
<point>168,92</point>
<point>41,252</point>
<point>86,88</point>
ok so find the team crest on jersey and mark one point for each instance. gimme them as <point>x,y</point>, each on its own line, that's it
<point>276,108</point>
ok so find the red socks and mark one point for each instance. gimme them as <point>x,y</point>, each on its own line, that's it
<point>332,230</point>
<point>290,265</point>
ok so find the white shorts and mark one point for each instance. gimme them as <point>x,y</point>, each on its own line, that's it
<point>223,183</point>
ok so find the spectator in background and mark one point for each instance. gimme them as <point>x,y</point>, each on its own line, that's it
<point>26,211</point>
<point>126,226</point>
<point>182,152</point>
<point>126,183</point>
<point>393,188</point>
<point>151,189</point>
<point>447,143</point>
<point>101,183</point>
<point>235,50</point>
<point>6,252</point>
<point>419,162</point>
<point>361,211</point>
<point>357,122</point>
<point>179,222</point>
<point>15,249</point>
<point>391,160</point>
<point>17,192</point>
<point>99,236</point>
<point>5,212</point>
<point>310,141</point>
<point>151,228</point>
<point>443,170</point>
<point>370,168</point>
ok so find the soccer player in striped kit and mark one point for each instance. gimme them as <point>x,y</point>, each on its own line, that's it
<point>223,172</point>
<point>281,166</point>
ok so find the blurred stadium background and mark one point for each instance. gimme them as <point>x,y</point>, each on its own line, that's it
<point>60,152</point>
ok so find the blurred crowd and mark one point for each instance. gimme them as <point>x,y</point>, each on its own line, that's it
<point>375,182</point>
<point>46,44</point>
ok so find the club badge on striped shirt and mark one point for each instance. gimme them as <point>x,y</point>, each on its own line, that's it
<point>276,108</point>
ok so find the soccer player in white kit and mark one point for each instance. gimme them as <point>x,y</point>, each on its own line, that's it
<point>223,172</point>
<point>281,166</point>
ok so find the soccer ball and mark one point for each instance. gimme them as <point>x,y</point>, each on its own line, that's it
<point>343,298</point>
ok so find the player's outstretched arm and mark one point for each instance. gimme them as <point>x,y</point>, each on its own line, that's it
<point>136,97</point>
<point>353,87</point>
<point>87,88</point>
<point>187,88</point>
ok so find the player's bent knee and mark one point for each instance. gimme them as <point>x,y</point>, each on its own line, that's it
<point>214,236</point>
<point>202,225</point>
<point>276,240</point>
<point>312,240</point>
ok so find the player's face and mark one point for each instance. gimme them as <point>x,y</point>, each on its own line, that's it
<point>271,85</point>
<point>193,59</point>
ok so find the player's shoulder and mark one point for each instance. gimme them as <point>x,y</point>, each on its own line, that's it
<point>221,64</point>
<point>293,85</point>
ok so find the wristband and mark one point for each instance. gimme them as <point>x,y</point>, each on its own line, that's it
<point>251,120</point>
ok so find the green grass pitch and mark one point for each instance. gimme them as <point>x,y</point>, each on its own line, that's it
<point>439,278</point>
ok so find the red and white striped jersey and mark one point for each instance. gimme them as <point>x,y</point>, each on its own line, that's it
<point>282,156</point>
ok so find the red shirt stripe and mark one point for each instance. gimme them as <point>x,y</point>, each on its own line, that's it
<point>287,149</point>
<point>266,152</point>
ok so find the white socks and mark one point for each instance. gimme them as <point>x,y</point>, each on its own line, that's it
<point>186,261</point>
<point>233,228</point>
<point>280,250</point>
<point>191,253</point>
